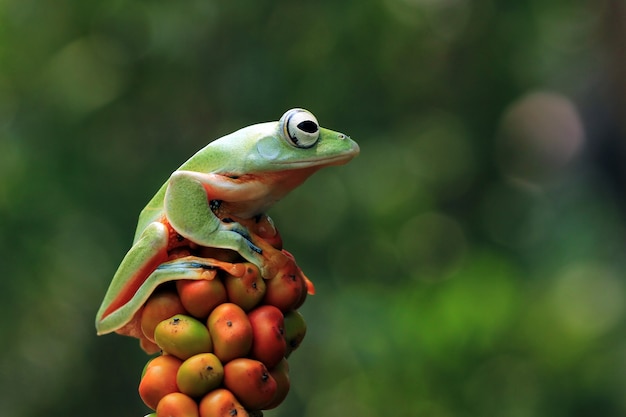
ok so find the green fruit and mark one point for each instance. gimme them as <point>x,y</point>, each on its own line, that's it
<point>200,374</point>
<point>183,337</point>
<point>294,330</point>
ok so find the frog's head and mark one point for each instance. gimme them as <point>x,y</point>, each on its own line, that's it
<point>294,142</point>
<point>302,142</point>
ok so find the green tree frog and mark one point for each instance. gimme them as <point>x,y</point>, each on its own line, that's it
<point>217,199</point>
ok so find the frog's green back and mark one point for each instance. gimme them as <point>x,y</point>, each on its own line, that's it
<point>151,212</point>
<point>226,154</point>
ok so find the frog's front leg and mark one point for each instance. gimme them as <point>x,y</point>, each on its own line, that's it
<point>188,209</point>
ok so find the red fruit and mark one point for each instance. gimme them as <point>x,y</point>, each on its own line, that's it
<point>221,403</point>
<point>310,288</point>
<point>159,379</point>
<point>268,341</point>
<point>177,404</point>
<point>280,373</point>
<point>160,306</point>
<point>251,382</point>
<point>230,331</point>
<point>287,290</point>
<point>148,346</point>
<point>224,255</point>
<point>201,296</point>
<point>246,291</point>
<point>266,230</point>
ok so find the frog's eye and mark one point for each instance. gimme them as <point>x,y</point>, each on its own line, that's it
<point>301,128</point>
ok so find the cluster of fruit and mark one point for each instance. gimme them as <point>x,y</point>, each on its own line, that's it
<point>224,342</point>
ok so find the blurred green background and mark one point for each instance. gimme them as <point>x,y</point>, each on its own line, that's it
<point>469,263</point>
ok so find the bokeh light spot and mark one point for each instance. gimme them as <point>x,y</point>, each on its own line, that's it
<point>588,300</point>
<point>86,74</point>
<point>540,135</point>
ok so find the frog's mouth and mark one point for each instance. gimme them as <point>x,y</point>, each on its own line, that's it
<point>321,160</point>
<point>314,162</point>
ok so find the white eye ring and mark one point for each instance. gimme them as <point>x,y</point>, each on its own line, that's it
<point>301,128</point>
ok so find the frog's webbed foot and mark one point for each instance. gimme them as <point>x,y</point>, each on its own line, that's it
<point>258,242</point>
<point>272,259</point>
<point>230,225</point>
<point>193,268</point>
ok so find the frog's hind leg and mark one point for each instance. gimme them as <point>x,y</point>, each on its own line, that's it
<point>148,252</point>
<point>127,318</point>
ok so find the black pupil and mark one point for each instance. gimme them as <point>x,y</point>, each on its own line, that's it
<point>308,126</point>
